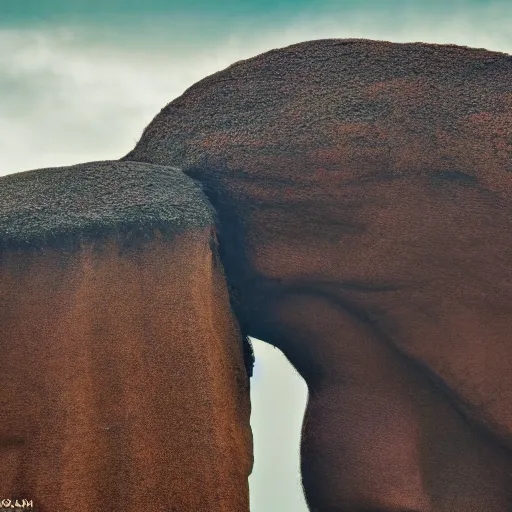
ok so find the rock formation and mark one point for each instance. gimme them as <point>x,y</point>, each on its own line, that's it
<point>123,384</point>
<point>364,198</point>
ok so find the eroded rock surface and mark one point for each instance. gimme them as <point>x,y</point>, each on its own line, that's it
<point>123,384</point>
<point>364,195</point>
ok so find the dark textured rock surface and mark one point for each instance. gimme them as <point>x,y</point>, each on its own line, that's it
<point>66,204</point>
<point>311,97</point>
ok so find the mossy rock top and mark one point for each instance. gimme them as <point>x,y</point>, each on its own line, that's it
<point>351,106</point>
<point>63,205</point>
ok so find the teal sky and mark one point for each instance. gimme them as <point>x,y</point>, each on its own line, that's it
<point>216,13</point>
<point>80,79</point>
<point>51,10</point>
<point>194,23</point>
<point>199,11</point>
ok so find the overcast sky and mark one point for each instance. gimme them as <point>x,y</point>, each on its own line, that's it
<point>80,79</point>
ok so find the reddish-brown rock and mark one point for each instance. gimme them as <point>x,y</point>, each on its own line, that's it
<point>123,385</point>
<point>364,192</point>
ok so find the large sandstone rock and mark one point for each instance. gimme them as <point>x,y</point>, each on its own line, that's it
<point>364,195</point>
<point>123,384</point>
